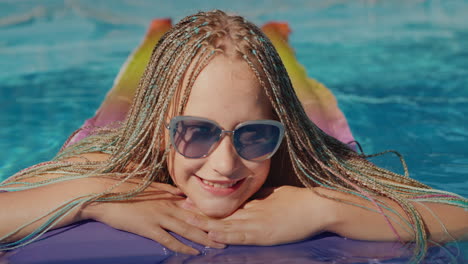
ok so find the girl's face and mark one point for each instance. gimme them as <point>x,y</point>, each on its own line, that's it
<point>227,92</point>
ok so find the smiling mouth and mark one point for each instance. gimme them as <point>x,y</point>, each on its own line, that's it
<point>219,185</point>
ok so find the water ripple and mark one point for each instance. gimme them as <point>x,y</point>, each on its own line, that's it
<point>395,99</point>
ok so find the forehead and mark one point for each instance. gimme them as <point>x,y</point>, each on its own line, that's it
<point>228,92</point>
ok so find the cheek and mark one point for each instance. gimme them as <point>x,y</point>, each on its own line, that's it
<point>261,172</point>
<point>180,168</point>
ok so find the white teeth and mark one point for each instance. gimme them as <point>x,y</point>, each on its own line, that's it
<point>217,185</point>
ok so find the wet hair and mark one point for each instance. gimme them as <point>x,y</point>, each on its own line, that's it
<point>307,157</point>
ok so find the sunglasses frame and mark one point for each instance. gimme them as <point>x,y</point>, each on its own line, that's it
<point>275,123</point>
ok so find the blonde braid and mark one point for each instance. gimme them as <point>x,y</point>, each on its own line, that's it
<point>308,157</point>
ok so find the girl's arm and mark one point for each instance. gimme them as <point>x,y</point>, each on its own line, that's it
<point>287,214</point>
<point>359,223</point>
<point>149,214</point>
<point>20,207</point>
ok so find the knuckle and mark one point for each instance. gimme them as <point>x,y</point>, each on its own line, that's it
<point>165,240</point>
<point>194,220</point>
<point>243,238</point>
<point>176,247</point>
<point>185,229</point>
<point>228,225</point>
<point>162,237</point>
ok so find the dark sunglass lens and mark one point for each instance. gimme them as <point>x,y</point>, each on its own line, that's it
<point>256,141</point>
<point>194,138</point>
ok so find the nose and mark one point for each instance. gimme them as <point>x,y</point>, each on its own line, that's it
<point>224,159</point>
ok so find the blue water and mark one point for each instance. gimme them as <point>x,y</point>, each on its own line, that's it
<point>399,70</point>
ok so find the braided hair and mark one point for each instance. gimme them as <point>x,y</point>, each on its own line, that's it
<point>307,157</point>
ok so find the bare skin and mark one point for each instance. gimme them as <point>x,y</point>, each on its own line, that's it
<point>251,224</point>
<point>262,221</point>
<point>238,98</point>
<point>151,214</point>
<point>215,221</point>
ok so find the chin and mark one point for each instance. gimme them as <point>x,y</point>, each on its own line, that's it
<point>218,211</point>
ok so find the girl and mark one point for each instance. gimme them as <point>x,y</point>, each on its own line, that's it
<point>217,148</point>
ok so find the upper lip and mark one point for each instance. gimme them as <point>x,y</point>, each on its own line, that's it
<point>220,182</point>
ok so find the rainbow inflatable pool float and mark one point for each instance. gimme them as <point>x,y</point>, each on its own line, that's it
<point>318,101</point>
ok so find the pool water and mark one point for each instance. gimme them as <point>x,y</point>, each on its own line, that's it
<point>399,70</point>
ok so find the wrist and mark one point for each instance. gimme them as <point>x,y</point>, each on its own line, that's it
<point>329,213</point>
<point>93,210</point>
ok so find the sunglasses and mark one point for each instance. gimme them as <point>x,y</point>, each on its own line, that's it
<point>196,137</point>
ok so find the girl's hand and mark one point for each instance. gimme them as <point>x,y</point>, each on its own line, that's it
<point>278,215</point>
<point>151,214</point>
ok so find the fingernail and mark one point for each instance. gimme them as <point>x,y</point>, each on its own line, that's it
<point>218,245</point>
<point>213,235</point>
<point>194,252</point>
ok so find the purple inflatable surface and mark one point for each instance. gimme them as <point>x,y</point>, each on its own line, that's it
<point>94,242</point>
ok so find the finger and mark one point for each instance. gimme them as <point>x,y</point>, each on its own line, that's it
<point>234,232</point>
<point>188,205</point>
<point>156,195</point>
<point>211,225</point>
<point>167,187</point>
<point>166,240</point>
<point>190,232</point>
<point>240,232</point>
<point>203,222</point>
<point>233,238</point>
<point>184,217</point>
